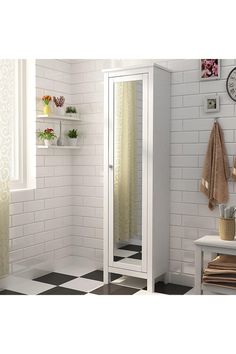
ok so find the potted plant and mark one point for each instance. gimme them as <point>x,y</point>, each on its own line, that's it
<point>71,111</point>
<point>59,102</point>
<point>72,135</point>
<point>47,136</point>
<point>46,108</point>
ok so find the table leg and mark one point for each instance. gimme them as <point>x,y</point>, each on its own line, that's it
<point>198,267</point>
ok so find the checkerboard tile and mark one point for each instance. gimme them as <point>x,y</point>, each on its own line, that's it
<point>59,290</point>
<point>87,283</point>
<point>23,286</point>
<point>9,292</point>
<point>129,253</point>
<point>136,256</point>
<point>83,284</point>
<point>132,282</point>
<point>170,289</point>
<point>113,289</point>
<point>135,248</point>
<point>55,278</point>
<point>123,253</point>
<point>98,275</point>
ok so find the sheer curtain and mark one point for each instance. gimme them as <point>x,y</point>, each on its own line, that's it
<point>7,99</point>
<point>125,161</point>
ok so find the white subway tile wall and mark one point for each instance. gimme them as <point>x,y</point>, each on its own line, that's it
<point>190,129</point>
<point>70,185</point>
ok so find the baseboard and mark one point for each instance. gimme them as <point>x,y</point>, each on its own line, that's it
<point>181,279</point>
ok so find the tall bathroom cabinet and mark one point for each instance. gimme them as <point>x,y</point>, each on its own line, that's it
<point>145,252</point>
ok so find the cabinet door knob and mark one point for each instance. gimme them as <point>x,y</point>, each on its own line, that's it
<point>110,166</point>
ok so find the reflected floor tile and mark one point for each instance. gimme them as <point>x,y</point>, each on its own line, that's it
<point>130,247</point>
<point>113,289</point>
<point>117,259</point>
<point>132,282</point>
<point>123,253</point>
<point>98,275</point>
<point>136,256</point>
<point>83,284</point>
<point>131,261</point>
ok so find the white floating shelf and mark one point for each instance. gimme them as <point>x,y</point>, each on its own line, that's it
<point>57,147</point>
<point>58,117</point>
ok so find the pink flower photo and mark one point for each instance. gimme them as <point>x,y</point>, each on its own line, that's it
<point>210,69</point>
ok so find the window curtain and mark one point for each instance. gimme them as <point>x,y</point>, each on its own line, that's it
<point>7,81</point>
<point>125,226</point>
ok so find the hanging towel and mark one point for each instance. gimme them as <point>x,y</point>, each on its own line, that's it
<point>234,169</point>
<point>215,170</point>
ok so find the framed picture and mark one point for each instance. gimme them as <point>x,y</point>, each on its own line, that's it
<point>209,69</point>
<point>211,104</point>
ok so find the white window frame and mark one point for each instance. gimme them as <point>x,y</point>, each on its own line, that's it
<point>23,127</point>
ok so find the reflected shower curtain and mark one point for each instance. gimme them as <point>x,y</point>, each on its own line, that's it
<point>6,110</point>
<point>125,161</point>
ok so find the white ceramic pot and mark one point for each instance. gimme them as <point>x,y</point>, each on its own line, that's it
<point>60,111</point>
<point>47,142</point>
<point>73,115</point>
<point>72,141</point>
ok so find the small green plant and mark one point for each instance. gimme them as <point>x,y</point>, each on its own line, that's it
<point>71,109</point>
<point>47,134</point>
<point>73,134</point>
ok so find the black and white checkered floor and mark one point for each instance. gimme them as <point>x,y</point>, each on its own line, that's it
<point>78,276</point>
<point>129,254</point>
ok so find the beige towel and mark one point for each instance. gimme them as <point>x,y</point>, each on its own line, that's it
<point>224,278</point>
<point>215,170</point>
<point>223,285</point>
<point>216,271</point>
<point>223,261</point>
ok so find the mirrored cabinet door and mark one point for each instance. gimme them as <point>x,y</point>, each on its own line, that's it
<point>127,172</point>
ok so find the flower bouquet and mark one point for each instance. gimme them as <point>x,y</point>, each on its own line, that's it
<point>48,135</point>
<point>46,100</point>
<point>59,102</point>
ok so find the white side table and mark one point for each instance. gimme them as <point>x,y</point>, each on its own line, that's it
<point>211,244</point>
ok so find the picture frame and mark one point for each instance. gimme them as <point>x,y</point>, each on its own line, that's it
<point>211,104</point>
<point>209,69</point>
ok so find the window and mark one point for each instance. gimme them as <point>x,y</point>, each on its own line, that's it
<point>22,160</point>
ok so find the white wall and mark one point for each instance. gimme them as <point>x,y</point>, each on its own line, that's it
<point>43,222</point>
<point>41,219</point>
<point>190,129</point>
<point>87,231</point>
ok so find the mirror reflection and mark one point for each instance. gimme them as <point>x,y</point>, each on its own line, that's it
<point>127,198</point>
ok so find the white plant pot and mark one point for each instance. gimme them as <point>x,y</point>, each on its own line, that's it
<point>60,111</point>
<point>72,141</point>
<point>47,142</point>
<point>73,115</point>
